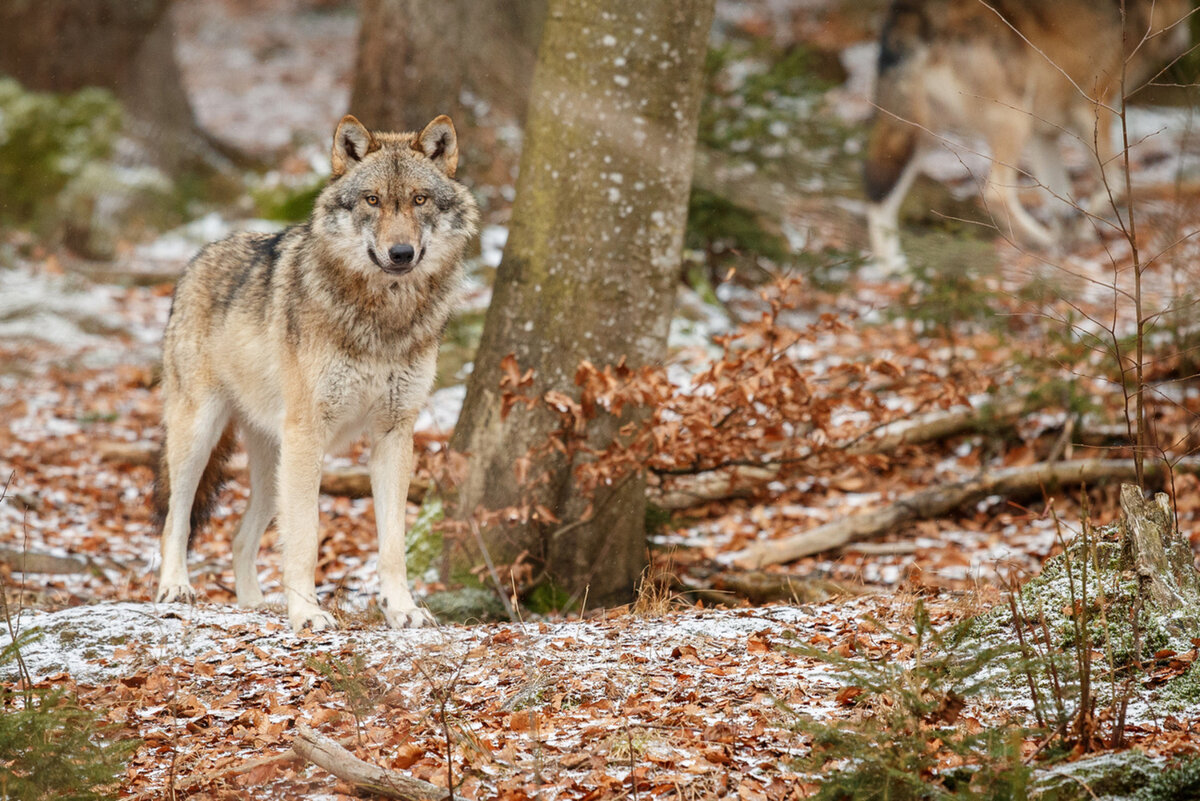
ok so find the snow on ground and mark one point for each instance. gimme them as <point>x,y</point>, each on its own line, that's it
<point>708,693</point>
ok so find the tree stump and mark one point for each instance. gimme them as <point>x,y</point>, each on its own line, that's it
<point>1161,558</point>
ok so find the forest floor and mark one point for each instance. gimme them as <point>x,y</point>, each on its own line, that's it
<point>671,697</point>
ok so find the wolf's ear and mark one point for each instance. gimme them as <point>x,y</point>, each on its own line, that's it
<point>351,142</point>
<point>440,143</point>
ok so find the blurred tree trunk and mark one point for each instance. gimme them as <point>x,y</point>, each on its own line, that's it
<point>416,58</point>
<point>125,46</point>
<point>589,271</point>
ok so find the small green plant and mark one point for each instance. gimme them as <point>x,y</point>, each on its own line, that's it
<point>905,743</point>
<point>50,746</point>
<point>360,687</point>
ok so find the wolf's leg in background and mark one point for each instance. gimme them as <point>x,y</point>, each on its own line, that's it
<point>263,453</point>
<point>1007,137</point>
<point>1094,126</point>
<point>889,169</point>
<point>883,221</point>
<point>1048,168</point>
<point>391,470</point>
<point>193,428</point>
<point>300,455</point>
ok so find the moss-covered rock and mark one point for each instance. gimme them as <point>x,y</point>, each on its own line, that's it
<point>1115,775</point>
<point>466,605</point>
<point>1095,590</point>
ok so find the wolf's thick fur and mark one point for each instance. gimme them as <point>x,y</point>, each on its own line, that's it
<point>1017,72</point>
<point>305,339</point>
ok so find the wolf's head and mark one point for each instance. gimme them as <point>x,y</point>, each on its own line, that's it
<point>392,205</point>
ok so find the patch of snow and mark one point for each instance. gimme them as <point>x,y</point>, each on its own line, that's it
<point>441,410</point>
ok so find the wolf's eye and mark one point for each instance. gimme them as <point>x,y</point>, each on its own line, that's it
<point>372,200</point>
<point>419,200</point>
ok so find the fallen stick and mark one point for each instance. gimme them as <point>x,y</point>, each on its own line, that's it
<point>759,587</point>
<point>325,753</point>
<point>194,782</point>
<point>942,425</point>
<point>721,482</point>
<point>23,560</point>
<point>937,501</point>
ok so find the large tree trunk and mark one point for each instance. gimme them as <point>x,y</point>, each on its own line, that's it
<point>417,57</point>
<point>125,46</point>
<point>589,270</point>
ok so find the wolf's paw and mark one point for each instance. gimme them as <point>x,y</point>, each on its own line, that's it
<point>251,599</point>
<point>312,618</point>
<point>177,593</point>
<point>413,617</point>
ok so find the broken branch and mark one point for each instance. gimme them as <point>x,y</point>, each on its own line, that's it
<point>937,501</point>
<point>325,753</point>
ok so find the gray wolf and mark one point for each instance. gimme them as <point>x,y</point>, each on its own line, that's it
<point>1017,72</point>
<point>304,339</point>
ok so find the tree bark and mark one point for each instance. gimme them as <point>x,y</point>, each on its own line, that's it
<point>1162,558</point>
<point>125,46</point>
<point>417,57</point>
<point>589,271</point>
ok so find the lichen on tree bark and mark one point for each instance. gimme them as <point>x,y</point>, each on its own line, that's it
<point>589,270</point>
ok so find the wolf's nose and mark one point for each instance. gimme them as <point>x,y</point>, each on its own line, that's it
<point>401,254</point>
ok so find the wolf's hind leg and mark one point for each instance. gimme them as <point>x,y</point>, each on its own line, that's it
<point>192,432</point>
<point>263,453</point>
<point>1008,138</point>
<point>883,222</point>
<point>891,165</point>
<point>1046,162</point>
<point>391,469</point>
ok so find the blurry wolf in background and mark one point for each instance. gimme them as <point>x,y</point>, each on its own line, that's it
<point>303,340</point>
<point>1018,73</point>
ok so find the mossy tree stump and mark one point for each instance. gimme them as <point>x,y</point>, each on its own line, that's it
<point>1162,560</point>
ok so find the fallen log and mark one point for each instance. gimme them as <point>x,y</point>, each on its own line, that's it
<point>759,587</point>
<point>326,754</point>
<point>23,560</point>
<point>942,425</point>
<point>937,501</point>
<point>684,492</point>
<point>201,779</point>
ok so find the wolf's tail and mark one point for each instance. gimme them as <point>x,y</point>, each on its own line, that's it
<point>211,481</point>
<point>894,136</point>
<point>892,144</point>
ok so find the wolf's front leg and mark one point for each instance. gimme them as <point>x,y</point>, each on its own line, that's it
<point>391,470</point>
<point>300,457</point>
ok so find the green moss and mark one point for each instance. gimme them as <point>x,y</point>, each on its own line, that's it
<point>423,540</point>
<point>1182,692</point>
<point>728,234</point>
<point>46,141</point>
<point>466,605</point>
<point>546,598</point>
<point>952,284</point>
<point>288,203</point>
<point>1110,776</point>
<point>1179,782</point>
<point>458,346</point>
